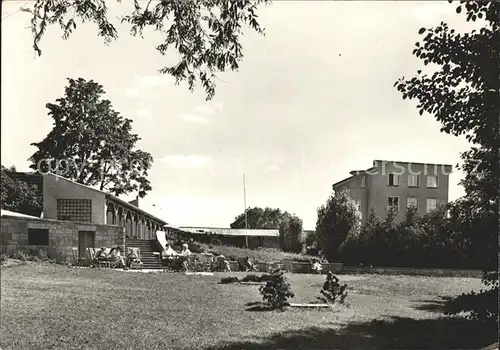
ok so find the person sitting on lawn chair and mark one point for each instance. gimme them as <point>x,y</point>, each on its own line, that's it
<point>102,255</point>
<point>168,255</point>
<point>250,265</point>
<point>132,257</point>
<point>185,253</point>
<point>223,264</point>
<point>116,258</point>
<point>316,266</point>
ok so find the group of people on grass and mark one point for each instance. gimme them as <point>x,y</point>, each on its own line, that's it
<point>176,261</point>
<point>116,259</point>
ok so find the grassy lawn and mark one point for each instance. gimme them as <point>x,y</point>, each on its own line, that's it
<point>47,306</point>
<point>261,254</point>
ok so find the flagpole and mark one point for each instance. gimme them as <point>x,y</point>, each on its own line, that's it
<point>245,203</point>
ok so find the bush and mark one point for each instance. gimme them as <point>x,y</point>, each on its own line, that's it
<point>19,255</point>
<point>478,306</point>
<point>255,278</point>
<point>227,280</point>
<point>4,257</point>
<point>276,291</point>
<point>332,290</point>
<point>196,248</point>
<point>43,255</point>
<point>251,278</point>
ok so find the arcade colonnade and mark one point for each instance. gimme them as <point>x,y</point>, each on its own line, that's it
<point>137,224</point>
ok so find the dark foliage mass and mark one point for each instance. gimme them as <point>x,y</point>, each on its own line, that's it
<point>204,35</point>
<point>17,195</point>
<point>91,143</point>
<point>463,94</point>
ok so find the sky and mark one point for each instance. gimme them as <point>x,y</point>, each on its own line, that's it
<point>313,99</point>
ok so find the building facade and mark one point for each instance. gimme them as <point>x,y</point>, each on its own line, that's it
<point>66,200</point>
<point>397,185</point>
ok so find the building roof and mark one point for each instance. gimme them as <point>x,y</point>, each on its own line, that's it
<point>359,172</point>
<point>344,181</point>
<point>401,162</point>
<point>16,214</point>
<point>111,197</point>
<point>231,231</point>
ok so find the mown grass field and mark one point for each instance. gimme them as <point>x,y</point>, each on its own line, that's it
<point>48,306</point>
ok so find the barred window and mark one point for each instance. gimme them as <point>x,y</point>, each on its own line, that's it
<point>74,210</point>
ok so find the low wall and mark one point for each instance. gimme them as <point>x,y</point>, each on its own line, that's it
<point>411,271</point>
<point>62,236</point>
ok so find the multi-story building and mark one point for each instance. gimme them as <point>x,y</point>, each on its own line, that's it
<point>398,185</point>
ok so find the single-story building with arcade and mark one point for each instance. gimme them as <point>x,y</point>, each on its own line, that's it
<point>75,217</point>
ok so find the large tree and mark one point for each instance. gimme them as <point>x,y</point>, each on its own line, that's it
<point>205,34</point>
<point>338,219</point>
<point>91,143</point>
<point>291,234</point>
<point>267,218</point>
<point>17,195</point>
<point>463,94</point>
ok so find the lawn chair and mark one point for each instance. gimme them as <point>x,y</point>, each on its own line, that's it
<point>134,263</point>
<point>117,260</point>
<point>90,253</point>
<point>206,260</point>
<point>102,263</point>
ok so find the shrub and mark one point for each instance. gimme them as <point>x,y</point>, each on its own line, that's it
<point>196,248</point>
<point>255,278</point>
<point>478,306</point>
<point>4,257</point>
<point>43,255</point>
<point>250,278</point>
<point>276,291</point>
<point>19,255</point>
<point>226,280</point>
<point>332,290</point>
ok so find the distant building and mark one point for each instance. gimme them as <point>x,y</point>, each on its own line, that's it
<point>268,238</point>
<point>398,185</point>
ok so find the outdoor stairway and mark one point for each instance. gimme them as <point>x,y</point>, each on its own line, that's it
<point>147,247</point>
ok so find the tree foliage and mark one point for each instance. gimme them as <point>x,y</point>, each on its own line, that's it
<point>258,218</point>
<point>291,234</point>
<point>205,34</point>
<point>17,195</point>
<point>337,219</point>
<point>429,241</point>
<point>91,143</point>
<point>463,95</point>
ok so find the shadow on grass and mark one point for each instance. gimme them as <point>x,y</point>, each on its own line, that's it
<point>256,306</point>
<point>397,333</point>
<point>436,305</point>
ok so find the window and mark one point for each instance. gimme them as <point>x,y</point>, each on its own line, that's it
<point>363,181</point>
<point>413,181</point>
<point>38,236</point>
<point>431,204</point>
<point>393,203</point>
<point>393,180</point>
<point>74,210</point>
<point>412,202</point>
<point>432,181</point>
